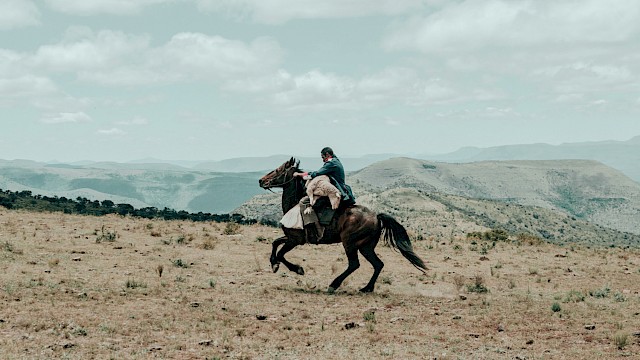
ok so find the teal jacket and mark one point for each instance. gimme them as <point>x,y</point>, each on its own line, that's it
<point>335,171</point>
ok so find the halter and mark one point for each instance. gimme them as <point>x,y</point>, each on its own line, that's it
<point>285,179</point>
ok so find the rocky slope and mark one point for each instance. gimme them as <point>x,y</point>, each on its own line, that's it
<point>562,202</point>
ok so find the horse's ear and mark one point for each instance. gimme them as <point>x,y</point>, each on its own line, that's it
<point>297,164</point>
<point>291,161</point>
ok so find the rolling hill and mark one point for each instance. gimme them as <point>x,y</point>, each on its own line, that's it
<point>560,201</point>
<point>139,186</point>
<point>620,155</point>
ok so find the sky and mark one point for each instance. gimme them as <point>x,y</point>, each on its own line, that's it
<point>123,80</point>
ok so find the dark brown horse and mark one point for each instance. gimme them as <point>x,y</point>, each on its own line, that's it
<point>356,227</point>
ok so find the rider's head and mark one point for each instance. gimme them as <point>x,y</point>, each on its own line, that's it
<point>326,153</point>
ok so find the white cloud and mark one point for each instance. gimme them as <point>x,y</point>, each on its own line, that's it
<point>580,77</point>
<point>225,124</point>
<point>197,54</point>
<point>435,90</point>
<point>316,89</point>
<point>471,25</point>
<point>66,117</point>
<point>569,98</point>
<point>111,132</point>
<point>135,121</point>
<point>276,82</point>
<point>26,86</point>
<point>115,58</point>
<point>281,11</point>
<point>320,90</point>
<point>18,13</point>
<point>93,7</point>
<point>389,83</point>
<point>83,50</point>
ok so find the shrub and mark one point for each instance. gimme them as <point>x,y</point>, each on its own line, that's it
<point>529,239</point>
<point>574,296</point>
<point>621,340</point>
<point>179,263</point>
<point>478,285</point>
<point>601,293</point>
<point>232,228</point>
<point>491,235</point>
<point>106,236</point>
<point>458,280</point>
<point>132,284</point>
<point>208,243</point>
<point>555,307</point>
<point>369,316</point>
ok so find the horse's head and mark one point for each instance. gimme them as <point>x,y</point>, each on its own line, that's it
<point>280,176</point>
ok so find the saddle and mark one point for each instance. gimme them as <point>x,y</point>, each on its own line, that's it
<point>323,210</point>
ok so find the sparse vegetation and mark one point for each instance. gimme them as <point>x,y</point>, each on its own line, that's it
<point>621,340</point>
<point>231,228</point>
<point>478,285</point>
<point>208,243</point>
<point>179,263</point>
<point>229,304</point>
<point>491,235</point>
<point>106,235</point>
<point>133,284</point>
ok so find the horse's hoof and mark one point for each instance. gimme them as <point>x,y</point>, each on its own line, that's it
<point>366,290</point>
<point>275,267</point>
<point>300,271</point>
<point>331,290</point>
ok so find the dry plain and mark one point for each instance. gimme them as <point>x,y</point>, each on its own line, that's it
<point>81,287</point>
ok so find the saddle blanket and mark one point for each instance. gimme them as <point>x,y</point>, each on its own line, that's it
<point>293,218</point>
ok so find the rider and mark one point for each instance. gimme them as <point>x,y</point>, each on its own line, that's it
<point>333,168</point>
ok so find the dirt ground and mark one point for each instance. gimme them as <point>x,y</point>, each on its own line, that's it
<point>79,287</point>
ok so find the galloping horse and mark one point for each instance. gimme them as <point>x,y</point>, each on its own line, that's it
<point>355,226</point>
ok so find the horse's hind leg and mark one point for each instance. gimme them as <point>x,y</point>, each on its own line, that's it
<point>275,264</point>
<point>288,246</point>
<point>369,253</point>
<point>354,264</point>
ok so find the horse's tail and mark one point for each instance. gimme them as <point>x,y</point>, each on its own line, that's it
<point>396,236</point>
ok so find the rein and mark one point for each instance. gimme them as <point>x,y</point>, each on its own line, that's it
<point>284,183</point>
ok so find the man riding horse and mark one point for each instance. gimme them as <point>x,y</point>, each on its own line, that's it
<point>333,168</point>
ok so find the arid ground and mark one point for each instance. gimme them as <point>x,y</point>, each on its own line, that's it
<point>80,287</point>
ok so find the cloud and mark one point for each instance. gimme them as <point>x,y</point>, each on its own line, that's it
<point>471,25</point>
<point>66,117</point>
<point>26,86</point>
<point>582,77</point>
<point>135,121</point>
<point>82,50</point>
<point>274,82</point>
<point>319,90</point>
<point>115,58</point>
<point>281,11</point>
<point>197,54</point>
<point>111,132</point>
<point>94,7</point>
<point>18,13</point>
<point>316,89</point>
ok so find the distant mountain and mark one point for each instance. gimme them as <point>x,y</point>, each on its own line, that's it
<point>566,201</point>
<point>621,155</point>
<point>155,185</point>
<point>585,189</point>
<point>269,163</point>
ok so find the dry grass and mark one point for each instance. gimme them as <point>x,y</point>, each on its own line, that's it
<point>66,295</point>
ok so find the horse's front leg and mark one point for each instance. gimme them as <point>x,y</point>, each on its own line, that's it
<point>288,246</point>
<point>275,264</point>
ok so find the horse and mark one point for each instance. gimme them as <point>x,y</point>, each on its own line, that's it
<point>355,226</point>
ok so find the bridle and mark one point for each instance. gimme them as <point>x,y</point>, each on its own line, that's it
<point>285,181</point>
